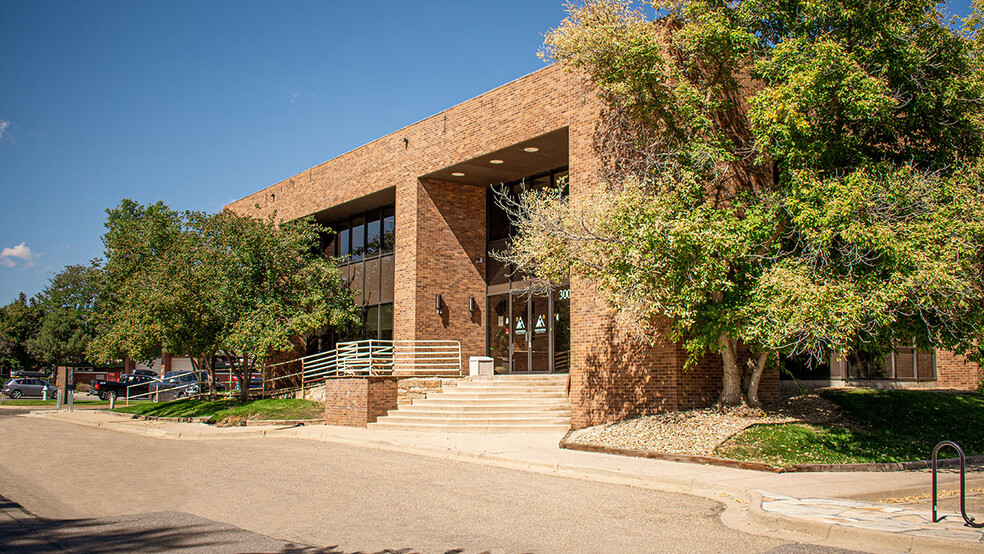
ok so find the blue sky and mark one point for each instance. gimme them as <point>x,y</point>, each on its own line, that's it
<point>199,103</point>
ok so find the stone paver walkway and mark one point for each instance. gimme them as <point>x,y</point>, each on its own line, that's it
<point>877,517</point>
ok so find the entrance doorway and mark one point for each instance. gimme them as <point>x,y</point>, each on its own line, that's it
<point>530,333</point>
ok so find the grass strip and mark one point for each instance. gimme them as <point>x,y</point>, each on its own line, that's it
<point>52,402</point>
<point>218,410</point>
<point>878,426</point>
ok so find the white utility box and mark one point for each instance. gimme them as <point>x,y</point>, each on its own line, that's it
<point>481,365</point>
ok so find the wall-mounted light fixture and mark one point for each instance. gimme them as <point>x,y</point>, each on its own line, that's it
<point>472,305</point>
<point>437,303</point>
<point>406,143</point>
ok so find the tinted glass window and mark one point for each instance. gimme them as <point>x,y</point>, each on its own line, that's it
<point>386,279</point>
<point>373,235</point>
<point>343,241</point>
<point>561,179</point>
<point>386,322</point>
<point>357,284</point>
<point>389,229</point>
<point>372,322</point>
<point>499,227</point>
<point>358,238</point>
<point>372,281</point>
<point>541,183</point>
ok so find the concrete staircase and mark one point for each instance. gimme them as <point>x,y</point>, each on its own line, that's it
<point>499,404</point>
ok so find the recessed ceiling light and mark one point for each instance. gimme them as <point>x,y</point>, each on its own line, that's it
<point>496,162</point>
<point>531,149</point>
<point>457,174</point>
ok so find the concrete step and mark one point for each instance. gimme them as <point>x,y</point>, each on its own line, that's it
<point>480,394</point>
<point>464,414</point>
<point>508,387</point>
<point>446,420</point>
<point>562,377</point>
<point>488,404</point>
<point>510,400</point>
<point>512,429</point>
<point>421,406</point>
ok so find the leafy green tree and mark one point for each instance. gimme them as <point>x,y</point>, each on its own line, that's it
<point>203,284</point>
<point>19,322</point>
<point>272,287</point>
<point>156,290</point>
<point>798,177</point>
<point>67,326</point>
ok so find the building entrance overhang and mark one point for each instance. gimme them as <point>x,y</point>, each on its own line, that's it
<point>363,203</point>
<point>528,157</point>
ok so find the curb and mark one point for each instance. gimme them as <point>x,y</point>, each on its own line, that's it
<point>163,433</point>
<point>158,418</point>
<point>759,466</point>
<point>207,420</point>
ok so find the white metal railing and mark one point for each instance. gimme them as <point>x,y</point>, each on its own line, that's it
<point>365,357</point>
<point>382,357</point>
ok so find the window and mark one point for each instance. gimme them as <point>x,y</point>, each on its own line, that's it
<point>358,239</point>
<point>499,228</point>
<point>364,246</point>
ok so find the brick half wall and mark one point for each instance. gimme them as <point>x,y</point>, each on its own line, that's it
<point>358,401</point>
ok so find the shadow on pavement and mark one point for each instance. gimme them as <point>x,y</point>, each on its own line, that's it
<point>23,532</point>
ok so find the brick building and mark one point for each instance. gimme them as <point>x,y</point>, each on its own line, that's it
<point>416,221</point>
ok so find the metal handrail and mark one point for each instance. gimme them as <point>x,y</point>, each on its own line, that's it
<point>963,484</point>
<point>377,357</point>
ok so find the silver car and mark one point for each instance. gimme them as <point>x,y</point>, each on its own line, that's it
<point>29,387</point>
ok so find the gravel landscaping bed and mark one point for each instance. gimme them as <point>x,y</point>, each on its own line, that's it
<point>698,432</point>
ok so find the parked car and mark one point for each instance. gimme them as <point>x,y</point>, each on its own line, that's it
<point>28,386</point>
<point>190,382</point>
<point>255,382</point>
<point>128,385</point>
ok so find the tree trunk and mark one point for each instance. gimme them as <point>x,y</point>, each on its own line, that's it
<point>753,385</point>
<point>245,377</point>
<point>731,383</point>
<point>210,367</point>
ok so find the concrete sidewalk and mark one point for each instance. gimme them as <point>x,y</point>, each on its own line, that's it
<point>835,509</point>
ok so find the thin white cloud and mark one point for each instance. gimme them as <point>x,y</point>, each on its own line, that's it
<point>18,255</point>
<point>4,124</point>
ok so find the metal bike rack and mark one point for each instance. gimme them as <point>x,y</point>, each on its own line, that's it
<point>963,483</point>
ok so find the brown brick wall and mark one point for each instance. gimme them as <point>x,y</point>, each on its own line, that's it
<point>450,237</point>
<point>357,401</point>
<point>955,372</point>
<point>382,395</point>
<point>616,375</point>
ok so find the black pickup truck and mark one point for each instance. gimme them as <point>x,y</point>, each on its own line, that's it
<point>131,385</point>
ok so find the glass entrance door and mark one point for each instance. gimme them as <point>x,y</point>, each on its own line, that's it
<point>520,333</point>
<point>524,330</point>
<point>538,333</point>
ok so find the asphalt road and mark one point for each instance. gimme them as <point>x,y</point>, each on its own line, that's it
<point>337,498</point>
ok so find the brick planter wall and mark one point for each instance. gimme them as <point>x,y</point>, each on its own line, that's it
<point>358,401</point>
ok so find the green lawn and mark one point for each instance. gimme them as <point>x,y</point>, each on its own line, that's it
<point>878,426</point>
<point>270,408</point>
<point>52,402</point>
